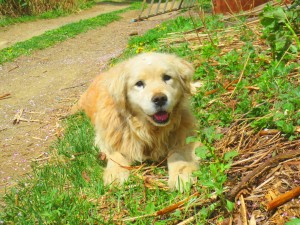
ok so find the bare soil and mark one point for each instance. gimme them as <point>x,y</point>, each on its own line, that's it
<point>44,85</point>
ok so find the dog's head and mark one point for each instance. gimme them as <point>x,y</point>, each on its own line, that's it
<point>151,85</point>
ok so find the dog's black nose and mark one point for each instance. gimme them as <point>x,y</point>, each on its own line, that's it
<point>159,99</point>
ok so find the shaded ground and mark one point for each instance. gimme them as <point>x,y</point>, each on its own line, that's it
<point>43,87</point>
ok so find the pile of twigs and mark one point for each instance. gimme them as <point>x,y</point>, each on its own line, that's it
<point>268,166</point>
<point>228,39</point>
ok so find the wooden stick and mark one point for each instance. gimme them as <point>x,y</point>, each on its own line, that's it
<point>243,211</point>
<point>75,86</point>
<point>187,221</point>
<point>5,96</point>
<point>175,206</point>
<point>138,217</point>
<point>16,67</point>
<point>26,120</point>
<point>281,199</point>
<point>211,92</point>
<point>268,132</point>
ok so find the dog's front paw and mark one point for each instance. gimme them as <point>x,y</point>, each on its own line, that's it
<point>116,175</point>
<point>181,181</point>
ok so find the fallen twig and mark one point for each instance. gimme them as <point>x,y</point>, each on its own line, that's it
<point>75,86</point>
<point>243,210</point>
<point>17,117</point>
<point>16,67</point>
<point>26,120</point>
<point>283,198</point>
<point>126,167</point>
<point>171,208</point>
<point>41,159</point>
<point>268,132</point>
<point>242,74</point>
<point>187,221</point>
<point>5,96</point>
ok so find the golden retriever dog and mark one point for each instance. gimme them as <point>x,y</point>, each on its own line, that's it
<point>140,110</point>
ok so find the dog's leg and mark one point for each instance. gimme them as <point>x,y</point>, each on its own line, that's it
<point>181,165</point>
<point>116,170</point>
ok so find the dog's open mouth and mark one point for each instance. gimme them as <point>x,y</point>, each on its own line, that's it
<point>161,117</point>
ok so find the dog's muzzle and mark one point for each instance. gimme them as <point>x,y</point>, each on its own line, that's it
<point>161,116</point>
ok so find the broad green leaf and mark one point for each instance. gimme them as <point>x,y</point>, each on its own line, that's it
<point>230,155</point>
<point>293,222</point>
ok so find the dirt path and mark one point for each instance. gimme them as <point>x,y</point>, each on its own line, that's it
<point>19,32</point>
<point>46,84</point>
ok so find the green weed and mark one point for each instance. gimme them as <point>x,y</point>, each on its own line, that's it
<point>280,29</point>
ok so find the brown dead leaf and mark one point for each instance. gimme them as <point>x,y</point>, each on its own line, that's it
<point>85,176</point>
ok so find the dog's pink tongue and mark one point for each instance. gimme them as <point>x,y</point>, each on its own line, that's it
<point>161,116</point>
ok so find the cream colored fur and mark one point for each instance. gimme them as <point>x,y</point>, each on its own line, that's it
<point>123,113</point>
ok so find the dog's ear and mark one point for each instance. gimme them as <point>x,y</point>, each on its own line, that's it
<point>186,72</point>
<point>117,82</point>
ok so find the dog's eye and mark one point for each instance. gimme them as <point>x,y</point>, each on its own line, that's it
<point>167,77</point>
<point>140,84</point>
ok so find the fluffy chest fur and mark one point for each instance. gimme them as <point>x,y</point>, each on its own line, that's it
<point>150,142</point>
<point>138,140</point>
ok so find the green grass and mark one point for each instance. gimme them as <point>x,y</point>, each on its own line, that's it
<point>60,34</point>
<point>69,189</point>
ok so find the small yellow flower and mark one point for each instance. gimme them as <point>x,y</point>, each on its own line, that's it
<point>139,49</point>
